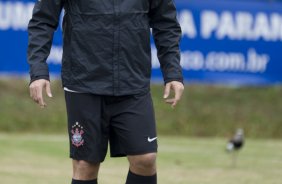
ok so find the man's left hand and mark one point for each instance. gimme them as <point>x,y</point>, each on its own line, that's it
<point>178,89</point>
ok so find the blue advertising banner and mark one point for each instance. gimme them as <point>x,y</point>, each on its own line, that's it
<point>226,42</point>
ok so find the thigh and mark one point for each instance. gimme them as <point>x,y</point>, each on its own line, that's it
<point>86,135</point>
<point>133,126</point>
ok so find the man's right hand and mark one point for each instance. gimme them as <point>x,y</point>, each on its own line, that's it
<point>36,91</point>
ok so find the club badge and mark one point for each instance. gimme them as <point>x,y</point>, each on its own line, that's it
<point>77,135</point>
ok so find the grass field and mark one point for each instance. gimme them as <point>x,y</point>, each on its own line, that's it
<point>42,159</point>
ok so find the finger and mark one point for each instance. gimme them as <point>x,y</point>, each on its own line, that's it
<point>34,95</point>
<point>170,101</point>
<point>174,103</point>
<point>41,102</point>
<point>40,97</point>
<point>167,90</point>
<point>178,93</point>
<point>31,92</point>
<point>48,89</point>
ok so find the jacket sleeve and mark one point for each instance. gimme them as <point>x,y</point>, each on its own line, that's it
<point>41,28</point>
<point>167,35</point>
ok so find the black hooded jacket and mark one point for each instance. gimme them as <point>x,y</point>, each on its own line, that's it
<point>106,43</point>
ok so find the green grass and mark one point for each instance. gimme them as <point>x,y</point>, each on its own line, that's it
<point>205,111</point>
<point>43,159</point>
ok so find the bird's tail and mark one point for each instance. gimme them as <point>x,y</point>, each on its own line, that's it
<point>229,147</point>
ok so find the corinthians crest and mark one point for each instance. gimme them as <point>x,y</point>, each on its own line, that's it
<point>77,132</point>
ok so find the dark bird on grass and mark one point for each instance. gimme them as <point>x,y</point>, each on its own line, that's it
<point>235,144</point>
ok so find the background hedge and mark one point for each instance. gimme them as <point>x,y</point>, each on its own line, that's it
<point>204,110</point>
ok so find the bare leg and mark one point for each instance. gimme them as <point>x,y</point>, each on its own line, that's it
<point>142,169</point>
<point>144,165</point>
<point>83,170</point>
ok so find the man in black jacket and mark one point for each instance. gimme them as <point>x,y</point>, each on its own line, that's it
<point>106,77</point>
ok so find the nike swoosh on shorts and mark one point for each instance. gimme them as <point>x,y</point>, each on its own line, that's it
<point>152,139</point>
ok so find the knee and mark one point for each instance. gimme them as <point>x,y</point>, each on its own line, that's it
<point>146,161</point>
<point>143,164</point>
<point>83,170</point>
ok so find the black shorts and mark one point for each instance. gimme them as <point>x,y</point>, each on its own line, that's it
<point>126,122</point>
